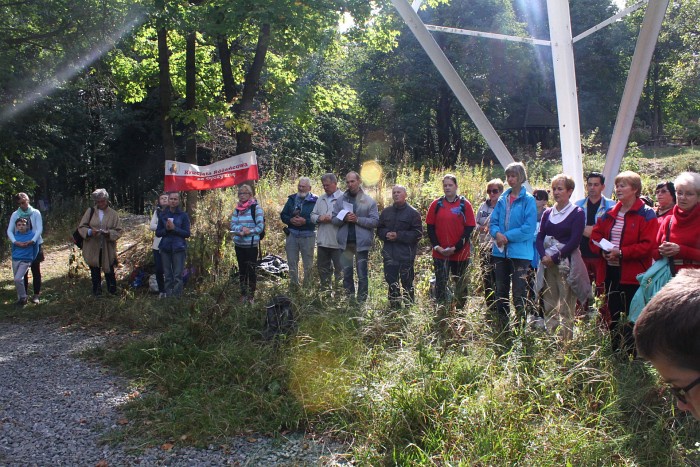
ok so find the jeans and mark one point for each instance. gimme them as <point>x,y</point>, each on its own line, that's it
<point>247,262</point>
<point>328,263</point>
<point>455,270</point>
<point>173,265</point>
<point>305,246</point>
<point>159,271</point>
<point>36,273</point>
<point>395,272</point>
<point>509,270</point>
<point>360,258</point>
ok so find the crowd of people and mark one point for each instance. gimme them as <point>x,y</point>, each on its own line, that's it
<point>551,261</point>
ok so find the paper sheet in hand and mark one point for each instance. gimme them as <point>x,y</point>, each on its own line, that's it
<point>347,207</point>
<point>604,244</point>
<point>341,215</point>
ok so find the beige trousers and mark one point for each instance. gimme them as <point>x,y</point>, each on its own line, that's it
<point>559,303</point>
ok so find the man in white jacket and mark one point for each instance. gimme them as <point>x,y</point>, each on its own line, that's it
<point>327,248</point>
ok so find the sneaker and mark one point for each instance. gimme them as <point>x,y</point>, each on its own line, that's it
<point>21,302</point>
<point>35,299</point>
<point>244,299</point>
<point>251,300</point>
<point>162,295</point>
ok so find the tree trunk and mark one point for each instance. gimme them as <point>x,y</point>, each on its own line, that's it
<point>224,50</point>
<point>190,105</point>
<point>443,126</point>
<point>166,128</point>
<point>244,108</point>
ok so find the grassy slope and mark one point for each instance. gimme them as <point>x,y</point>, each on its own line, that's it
<point>405,390</point>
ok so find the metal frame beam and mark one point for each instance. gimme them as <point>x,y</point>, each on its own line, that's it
<point>561,43</point>
<point>643,52</point>
<point>454,81</point>
<point>565,86</point>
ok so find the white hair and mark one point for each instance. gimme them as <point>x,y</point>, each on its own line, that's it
<point>688,178</point>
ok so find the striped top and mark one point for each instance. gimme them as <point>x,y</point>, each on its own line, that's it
<point>245,219</point>
<point>616,235</point>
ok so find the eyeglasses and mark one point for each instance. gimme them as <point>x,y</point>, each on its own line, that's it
<point>243,193</point>
<point>681,393</point>
<point>493,192</point>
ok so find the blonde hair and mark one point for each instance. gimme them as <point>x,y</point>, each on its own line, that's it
<point>245,185</point>
<point>497,182</point>
<point>631,178</point>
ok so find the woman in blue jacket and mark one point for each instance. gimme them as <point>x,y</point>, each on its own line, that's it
<point>512,227</point>
<point>173,228</point>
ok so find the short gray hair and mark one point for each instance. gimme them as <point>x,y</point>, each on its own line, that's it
<point>329,177</point>
<point>99,194</point>
<point>517,169</point>
<point>305,179</point>
<point>688,178</point>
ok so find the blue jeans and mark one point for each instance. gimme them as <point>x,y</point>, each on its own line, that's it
<point>360,258</point>
<point>509,270</point>
<point>305,246</point>
<point>173,265</point>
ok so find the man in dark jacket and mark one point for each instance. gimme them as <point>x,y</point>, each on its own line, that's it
<point>301,232</point>
<point>400,228</point>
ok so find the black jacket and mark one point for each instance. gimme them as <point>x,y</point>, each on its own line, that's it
<point>406,222</point>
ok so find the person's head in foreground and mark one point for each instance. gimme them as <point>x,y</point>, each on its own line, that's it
<point>668,335</point>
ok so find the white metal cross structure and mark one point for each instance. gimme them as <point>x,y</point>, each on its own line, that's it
<point>562,44</point>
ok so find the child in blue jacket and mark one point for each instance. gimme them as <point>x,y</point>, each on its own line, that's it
<point>24,251</point>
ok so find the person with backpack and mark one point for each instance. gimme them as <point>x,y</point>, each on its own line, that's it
<point>173,230</point>
<point>36,226</point>
<point>512,226</point>
<point>100,228</point>
<point>247,228</point>
<point>450,223</point>
<point>301,232</point>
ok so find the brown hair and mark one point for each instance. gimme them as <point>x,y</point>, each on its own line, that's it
<point>669,326</point>
<point>569,182</point>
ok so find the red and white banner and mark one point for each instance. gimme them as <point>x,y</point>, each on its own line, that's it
<point>180,176</point>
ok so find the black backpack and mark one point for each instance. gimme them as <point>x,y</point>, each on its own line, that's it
<point>253,209</point>
<point>462,204</point>
<point>77,238</point>
<point>280,317</point>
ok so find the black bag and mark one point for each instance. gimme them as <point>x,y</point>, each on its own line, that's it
<point>280,317</point>
<point>77,238</point>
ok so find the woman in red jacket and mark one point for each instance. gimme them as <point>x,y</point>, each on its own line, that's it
<point>631,227</point>
<point>678,236</point>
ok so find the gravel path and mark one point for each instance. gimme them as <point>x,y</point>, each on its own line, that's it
<point>56,408</point>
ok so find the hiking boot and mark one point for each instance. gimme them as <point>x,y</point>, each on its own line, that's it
<point>35,299</point>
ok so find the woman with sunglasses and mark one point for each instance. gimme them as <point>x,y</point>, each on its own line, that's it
<point>494,188</point>
<point>668,335</point>
<point>665,199</point>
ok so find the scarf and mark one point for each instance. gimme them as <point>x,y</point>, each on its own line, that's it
<point>242,207</point>
<point>28,213</point>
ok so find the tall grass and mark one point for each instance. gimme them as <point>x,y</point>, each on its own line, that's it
<point>402,388</point>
